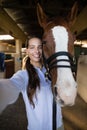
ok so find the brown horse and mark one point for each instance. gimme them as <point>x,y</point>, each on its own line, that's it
<point>58,52</point>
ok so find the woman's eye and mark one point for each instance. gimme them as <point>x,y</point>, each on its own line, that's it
<point>40,47</point>
<point>31,47</point>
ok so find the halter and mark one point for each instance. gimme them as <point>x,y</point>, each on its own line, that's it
<point>51,62</point>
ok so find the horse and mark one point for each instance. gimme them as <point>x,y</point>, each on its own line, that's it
<point>58,53</point>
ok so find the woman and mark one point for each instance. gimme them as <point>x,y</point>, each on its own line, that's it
<point>35,88</point>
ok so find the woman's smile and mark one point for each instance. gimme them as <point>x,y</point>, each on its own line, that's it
<point>34,51</point>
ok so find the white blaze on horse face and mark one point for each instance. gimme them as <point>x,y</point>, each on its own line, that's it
<point>65,78</point>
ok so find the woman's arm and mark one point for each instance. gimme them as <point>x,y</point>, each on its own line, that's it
<point>10,88</point>
<point>8,93</point>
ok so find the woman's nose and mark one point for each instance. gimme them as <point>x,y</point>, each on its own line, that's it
<point>36,50</point>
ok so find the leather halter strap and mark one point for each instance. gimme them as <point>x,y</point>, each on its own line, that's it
<point>51,62</point>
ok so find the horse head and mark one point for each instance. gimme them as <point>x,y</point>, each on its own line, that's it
<point>58,52</point>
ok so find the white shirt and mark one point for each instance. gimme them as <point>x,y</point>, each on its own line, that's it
<point>40,117</point>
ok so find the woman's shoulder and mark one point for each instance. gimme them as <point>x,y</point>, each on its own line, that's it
<point>20,74</point>
<point>20,79</point>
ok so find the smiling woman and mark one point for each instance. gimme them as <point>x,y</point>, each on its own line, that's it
<point>34,51</point>
<point>35,88</point>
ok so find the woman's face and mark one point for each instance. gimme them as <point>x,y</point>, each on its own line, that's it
<point>34,50</point>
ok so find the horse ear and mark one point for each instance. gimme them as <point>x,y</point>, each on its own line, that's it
<point>73,14</point>
<point>42,18</point>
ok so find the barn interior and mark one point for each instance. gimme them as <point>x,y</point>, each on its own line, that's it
<point>18,18</point>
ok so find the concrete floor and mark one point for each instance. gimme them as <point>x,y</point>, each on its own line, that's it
<point>14,116</point>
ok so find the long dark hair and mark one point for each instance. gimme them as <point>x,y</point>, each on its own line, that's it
<point>34,80</point>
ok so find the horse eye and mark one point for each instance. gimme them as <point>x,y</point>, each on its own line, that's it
<point>44,42</point>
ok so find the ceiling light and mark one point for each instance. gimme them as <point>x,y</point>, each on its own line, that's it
<point>84,45</point>
<point>6,37</point>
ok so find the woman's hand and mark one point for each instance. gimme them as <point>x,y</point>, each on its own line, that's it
<point>24,62</point>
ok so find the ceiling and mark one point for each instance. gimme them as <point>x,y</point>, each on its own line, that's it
<point>24,21</point>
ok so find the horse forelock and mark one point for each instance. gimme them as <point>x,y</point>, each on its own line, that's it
<point>54,21</point>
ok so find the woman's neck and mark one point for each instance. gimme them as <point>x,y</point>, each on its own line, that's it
<point>37,64</point>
